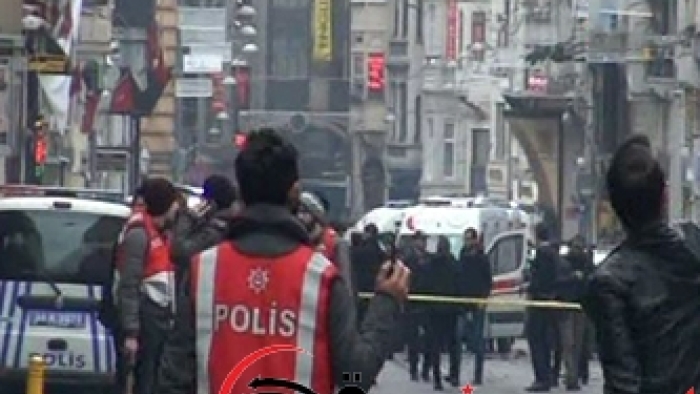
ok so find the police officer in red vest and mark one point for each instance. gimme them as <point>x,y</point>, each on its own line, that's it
<point>145,283</point>
<point>267,285</point>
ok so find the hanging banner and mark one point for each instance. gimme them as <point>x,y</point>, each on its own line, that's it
<point>323,30</point>
<point>451,46</point>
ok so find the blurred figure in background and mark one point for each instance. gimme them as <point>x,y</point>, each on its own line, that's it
<point>475,281</point>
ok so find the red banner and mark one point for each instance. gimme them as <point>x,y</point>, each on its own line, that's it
<point>452,30</point>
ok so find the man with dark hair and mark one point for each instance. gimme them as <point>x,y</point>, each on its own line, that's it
<point>145,284</point>
<point>540,322</point>
<point>266,285</point>
<point>475,281</point>
<point>206,225</point>
<point>643,299</point>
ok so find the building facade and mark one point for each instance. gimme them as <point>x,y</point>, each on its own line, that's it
<point>405,64</point>
<point>369,118</point>
<point>300,82</point>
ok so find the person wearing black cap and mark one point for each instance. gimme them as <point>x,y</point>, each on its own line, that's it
<point>145,285</point>
<point>206,225</point>
<point>643,298</point>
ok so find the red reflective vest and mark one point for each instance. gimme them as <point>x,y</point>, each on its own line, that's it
<point>158,282</point>
<point>243,303</point>
<point>328,240</point>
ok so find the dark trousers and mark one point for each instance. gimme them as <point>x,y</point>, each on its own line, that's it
<point>587,348</point>
<point>475,318</point>
<point>441,332</point>
<point>571,331</point>
<point>153,332</point>
<point>415,340</point>
<point>540,335</point>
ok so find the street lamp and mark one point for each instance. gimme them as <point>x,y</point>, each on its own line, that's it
<point>247,11</point>
<point>249,48</point>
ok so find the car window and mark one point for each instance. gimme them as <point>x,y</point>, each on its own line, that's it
<point>506,254</point>
<point>71,247</point>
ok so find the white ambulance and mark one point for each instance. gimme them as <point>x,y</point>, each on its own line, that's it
<point>385,217</point>
<point>55,258</point>
<point>506,244</point>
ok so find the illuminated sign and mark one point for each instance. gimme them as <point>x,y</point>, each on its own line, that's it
<point>50,64</point>
<point>375,72</point>
<point>323,30</point>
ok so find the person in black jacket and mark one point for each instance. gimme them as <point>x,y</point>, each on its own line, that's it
<point>540,321</point>
<point>644,297</point>
<point>475,281</point>
<point>416,258</point>
<point>441,324</point>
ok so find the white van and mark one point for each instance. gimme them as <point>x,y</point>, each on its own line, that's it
<point>505,244</point>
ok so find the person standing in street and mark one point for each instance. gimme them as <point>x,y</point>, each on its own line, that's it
<point>570,324</point>
<point>145,284</point>
<point>417,259</point>
<point>540,321</point>
<point>475,281</point>
<point>267,285</point>
<point>643,298</point>
<point>441,318</point>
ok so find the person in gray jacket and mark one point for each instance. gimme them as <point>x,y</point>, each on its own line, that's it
<point>144,284</point>
<point>312,213</point>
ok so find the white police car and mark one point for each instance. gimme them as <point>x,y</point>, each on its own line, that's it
<point>55,256</point>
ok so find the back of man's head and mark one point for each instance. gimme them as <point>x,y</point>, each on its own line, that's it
<point>220,190</point>
<point>542,232</point>
<point>636,184</point>
<point>266,169</point>
<point>158,195</point>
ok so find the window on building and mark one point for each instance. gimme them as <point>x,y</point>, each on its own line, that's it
<point>403,112</point>
<point>481,146</point>
<point>397,18</point>
<point>358,65</point>
<point>404,19</point>
<point>500,131</point>
<point>430,30</point>
<point>188,113</point>
<point>448,155</point>
<point>418,110</point>
<point>290,58</point>
<point>419,21</point>
<point>431,128</point>
<point>478,34</point>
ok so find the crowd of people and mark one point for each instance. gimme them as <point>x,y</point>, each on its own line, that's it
<point>198,290</point>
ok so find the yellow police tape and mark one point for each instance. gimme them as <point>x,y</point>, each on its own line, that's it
<point>488,301</point>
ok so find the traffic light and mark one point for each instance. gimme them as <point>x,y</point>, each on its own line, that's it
<point>239,139</point>
<point>375,72</point>
<point>40,153</point>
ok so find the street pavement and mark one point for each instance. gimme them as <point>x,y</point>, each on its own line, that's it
<point>502,375</point>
